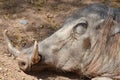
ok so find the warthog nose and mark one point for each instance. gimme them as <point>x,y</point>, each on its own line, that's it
<point>23,66</point>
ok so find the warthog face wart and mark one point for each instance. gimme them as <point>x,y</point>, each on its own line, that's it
<point>80,45</point>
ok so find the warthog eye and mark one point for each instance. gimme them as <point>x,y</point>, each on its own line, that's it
<point>80,28</point>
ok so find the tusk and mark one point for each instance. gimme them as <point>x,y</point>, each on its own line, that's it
<point>11,49</point>
<point>35,56</point>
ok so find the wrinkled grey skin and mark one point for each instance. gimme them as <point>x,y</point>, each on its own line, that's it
<point>67,48</point>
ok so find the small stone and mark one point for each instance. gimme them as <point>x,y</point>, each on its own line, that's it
<point>101,78</point>
<point>5,74</point>
<point>23,78</point>
<point>24,22</point>
<point>1,69</point>
<point>0,21</point>
<point>8,55</point>
<point>49,15</point>
<point>41,26</point>
<point>6,70</point>
<point>19,70</point>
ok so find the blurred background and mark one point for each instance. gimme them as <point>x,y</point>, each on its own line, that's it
<point>12,5</point>
<point>30,20</point>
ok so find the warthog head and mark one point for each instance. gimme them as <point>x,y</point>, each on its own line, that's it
<point>84,44</point>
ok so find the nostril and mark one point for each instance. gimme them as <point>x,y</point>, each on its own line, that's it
<point>23,63</point>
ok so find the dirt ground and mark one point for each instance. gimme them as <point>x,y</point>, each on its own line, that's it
<point>41,22</point>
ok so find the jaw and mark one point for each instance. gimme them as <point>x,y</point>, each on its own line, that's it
<point>40,66</point>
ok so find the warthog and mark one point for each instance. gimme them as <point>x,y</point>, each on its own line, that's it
<point>87,44</point>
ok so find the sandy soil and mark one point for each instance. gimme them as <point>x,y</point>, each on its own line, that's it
<point>41,23</point>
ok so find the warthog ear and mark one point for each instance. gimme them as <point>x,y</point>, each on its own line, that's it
<point>116,28</point>
<point>35,56</point>
<point>11,49</point>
